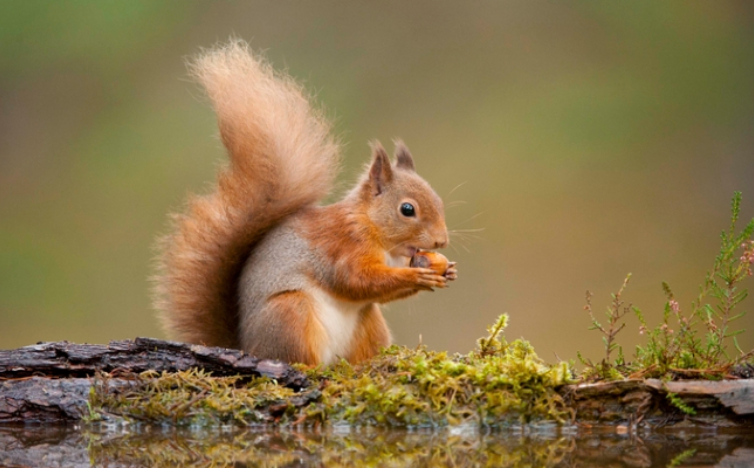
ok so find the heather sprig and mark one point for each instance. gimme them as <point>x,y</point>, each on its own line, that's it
<point>693,344</point>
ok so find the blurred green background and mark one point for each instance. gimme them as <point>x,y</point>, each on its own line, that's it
<point>591,139</point>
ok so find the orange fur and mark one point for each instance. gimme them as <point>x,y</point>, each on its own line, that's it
<point>371,334</point>
<point>358,250</point>
<point>282,158</point>
<point>293,334</point>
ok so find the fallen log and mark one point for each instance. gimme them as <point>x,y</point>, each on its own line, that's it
<point>44,400</point>
<point>53,382</point>
<point>67,360</point>
<point>630,403</point>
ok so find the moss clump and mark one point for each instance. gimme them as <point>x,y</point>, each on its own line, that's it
<point>498,384</point>
<point>195,398</point>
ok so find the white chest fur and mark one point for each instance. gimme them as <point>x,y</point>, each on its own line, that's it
<point>396,260</point>
<point>339,320</point>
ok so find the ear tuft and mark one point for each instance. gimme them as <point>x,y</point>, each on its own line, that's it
<point>380,173</point>
<point>403,158</point>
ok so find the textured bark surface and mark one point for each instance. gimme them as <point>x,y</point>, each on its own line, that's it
<point>646,402</point>
<point>43,400</point>
<point>65,360</point>
<point>738,395</point>
<point>51,382</point>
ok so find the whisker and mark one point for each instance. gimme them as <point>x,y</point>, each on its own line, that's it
<point>456,203</point>
<point>462,231</point>
<point>455,249</point>
<point>472,218</point>
<point>456,188</point>
<point>462,242</point>
<point>396,246</point>
<point>467,238</point>
<point>465,235</point>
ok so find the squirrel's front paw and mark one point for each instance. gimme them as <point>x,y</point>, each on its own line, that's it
<point>452,272</point>
<point>426,278</point>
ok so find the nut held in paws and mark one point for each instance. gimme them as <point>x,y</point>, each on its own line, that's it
<point>426,259</point>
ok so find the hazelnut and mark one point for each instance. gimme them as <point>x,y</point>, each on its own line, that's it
<point>433,260</point>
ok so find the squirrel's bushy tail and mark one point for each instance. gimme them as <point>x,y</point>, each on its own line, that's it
<point>282,158</point>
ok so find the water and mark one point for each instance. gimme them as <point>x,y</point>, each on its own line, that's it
<point>233,447</point>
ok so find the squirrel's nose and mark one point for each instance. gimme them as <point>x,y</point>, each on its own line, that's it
<point>441,244</point>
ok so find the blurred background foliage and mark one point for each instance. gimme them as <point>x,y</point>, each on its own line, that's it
<point>589,139</point>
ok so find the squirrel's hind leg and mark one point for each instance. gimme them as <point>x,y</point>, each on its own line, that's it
<point>285,328</point>
<point>370,336</point>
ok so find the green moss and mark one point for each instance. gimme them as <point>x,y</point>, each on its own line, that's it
<point>499,384</point>
<point>194,398</point>
<point>681,457</point>
<point>676,401</point>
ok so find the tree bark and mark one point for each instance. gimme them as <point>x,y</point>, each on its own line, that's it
<point>51,382</point>
<point>68,360</point>
<point>629,403</point>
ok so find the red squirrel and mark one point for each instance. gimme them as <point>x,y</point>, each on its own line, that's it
<point>258,264</point>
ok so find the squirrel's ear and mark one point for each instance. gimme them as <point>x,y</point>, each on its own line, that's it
<point>380,173</point>
<point>403,158</point>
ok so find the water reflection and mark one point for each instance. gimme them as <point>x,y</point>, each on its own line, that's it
<point>53,447</point>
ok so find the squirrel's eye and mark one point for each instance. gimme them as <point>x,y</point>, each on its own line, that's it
<point>407,209</point>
